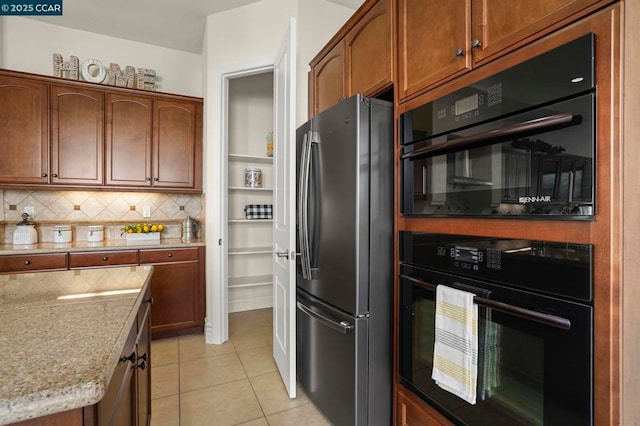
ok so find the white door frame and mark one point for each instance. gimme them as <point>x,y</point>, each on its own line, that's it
<point>217,319</point>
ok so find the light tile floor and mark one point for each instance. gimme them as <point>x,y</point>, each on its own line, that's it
<point>236,383</point>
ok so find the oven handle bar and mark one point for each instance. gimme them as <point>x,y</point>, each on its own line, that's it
<point>490,137</point>
<point>547,319</point>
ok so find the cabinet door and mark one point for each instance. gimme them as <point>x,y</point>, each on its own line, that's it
<point>77,127</point>
<point>369,53</point>
<point>177,298</point>
<point>413,412</point>
<point>24,134</point>
<point>328,79</point>
<point>143,369</point>
<point>174,144</point>
<point>128,140</point>
<point>499,25</point>
<point>433,43</point>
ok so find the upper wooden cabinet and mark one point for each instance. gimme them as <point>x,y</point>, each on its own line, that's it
<point>174,143</point>
<point>69,134</point>
<point>128,140</point>
<point>77,121</point>
<point>358,59</point>
<point>369,54</point>
<point>328,79</point>
<point>439,39</point>
<point>24,131</point>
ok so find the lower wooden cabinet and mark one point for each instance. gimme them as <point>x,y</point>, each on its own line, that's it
<point>177,287</point>
<point>33,262</point>
<point>412,411</point>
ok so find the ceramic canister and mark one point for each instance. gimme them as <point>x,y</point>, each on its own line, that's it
<point>95,233</point>
<point>253,178</point>
<point>62,234</point>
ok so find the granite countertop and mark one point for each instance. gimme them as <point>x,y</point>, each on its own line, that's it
<point>75,246</point>
<point>58,355</point>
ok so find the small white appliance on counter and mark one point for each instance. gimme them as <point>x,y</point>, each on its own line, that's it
<point>25,232</point>
<point>62,234</point>
<point>95,233</point>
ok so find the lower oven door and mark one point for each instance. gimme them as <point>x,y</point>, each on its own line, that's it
<point>529,373</point>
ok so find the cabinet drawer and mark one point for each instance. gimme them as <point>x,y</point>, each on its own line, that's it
<point>103,258</point>
<point>168,255</point>
<point>31,262</point>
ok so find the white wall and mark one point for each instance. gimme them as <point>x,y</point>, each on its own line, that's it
<point>28,45</point>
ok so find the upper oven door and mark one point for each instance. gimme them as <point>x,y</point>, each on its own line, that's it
<point>529,372</point>
<point>537,163</point>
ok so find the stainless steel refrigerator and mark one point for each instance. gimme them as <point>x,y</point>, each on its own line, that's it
<point>345,262</point>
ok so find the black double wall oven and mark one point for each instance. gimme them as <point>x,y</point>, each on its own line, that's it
<point>519,144</point>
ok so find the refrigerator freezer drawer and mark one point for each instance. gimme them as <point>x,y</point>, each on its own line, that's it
<point>332,361</point>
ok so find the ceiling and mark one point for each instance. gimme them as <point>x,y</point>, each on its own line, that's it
<point>169,23</point>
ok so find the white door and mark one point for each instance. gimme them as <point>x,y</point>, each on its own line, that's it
<point>284,199</point>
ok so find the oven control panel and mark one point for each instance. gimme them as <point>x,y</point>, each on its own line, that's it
<point>466,257</point>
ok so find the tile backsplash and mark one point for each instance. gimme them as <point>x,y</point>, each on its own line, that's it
<point>86,208</point>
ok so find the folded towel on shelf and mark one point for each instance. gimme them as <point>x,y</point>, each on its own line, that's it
<point>455,352</point>
<point>258,211</point>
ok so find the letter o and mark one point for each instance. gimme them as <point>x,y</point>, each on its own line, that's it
<point>86,73</point>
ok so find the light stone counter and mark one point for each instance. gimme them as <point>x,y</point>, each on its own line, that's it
<point>58,355</point>
<point>75,246</point>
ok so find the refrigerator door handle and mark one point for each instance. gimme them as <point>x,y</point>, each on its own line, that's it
<point>303,188</point>
<point>343,326</point>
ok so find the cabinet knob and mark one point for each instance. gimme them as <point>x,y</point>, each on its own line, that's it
<point>459,52</point>
<point>131,358</point>
<point>155,179</point>
<point>105,258</point>
<point>476,43</point>
<point>54,175</point>
<point>169,254</point>
<point>27,262</point>
<point>142,365</point>
<point>149,300</point>
<point>44,175</point>
<point>148,179</point>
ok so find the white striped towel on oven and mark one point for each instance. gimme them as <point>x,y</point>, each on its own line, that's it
<point>455,351</point>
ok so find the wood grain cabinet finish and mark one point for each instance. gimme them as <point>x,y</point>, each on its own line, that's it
<point>77,128</point>
<point>32,262</point>
<point>411,411</point>
<point>369,55</point>
<point>174,144</point>
<point>328,77</point>
<point>439,40</point>
<point>177,289</point>
<point>24,131</point>
<point>102,259</point>
<point>128,140</point>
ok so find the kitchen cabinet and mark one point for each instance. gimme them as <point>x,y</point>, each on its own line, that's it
<point>68,134</point>
<point>177,288</point>
<point>470,33</point>
<point>359,59</point>
<point>100,259</point>
<point>128,140</point>
<point>33,262</point>
<point>411,411</point>
<point>369,54</point>
<point>328,79</point>
<point>77,127</point>
<point>24,131</point>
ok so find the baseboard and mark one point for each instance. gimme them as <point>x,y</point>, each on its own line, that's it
<point>250,304</point>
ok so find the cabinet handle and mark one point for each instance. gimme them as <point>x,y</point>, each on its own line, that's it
<point>148,179</point>
<point>142,365</point>
<point>105,258</point>
<point>170,255</point>
<point>54,175</point>
<point>149,300</point>
<point>476,43</point>
<point>27,262</point>
<point>459,52</point>
<point>142,357</point>
<point>155,179</point>
<point>131,358</point>
<point>44,175</point>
